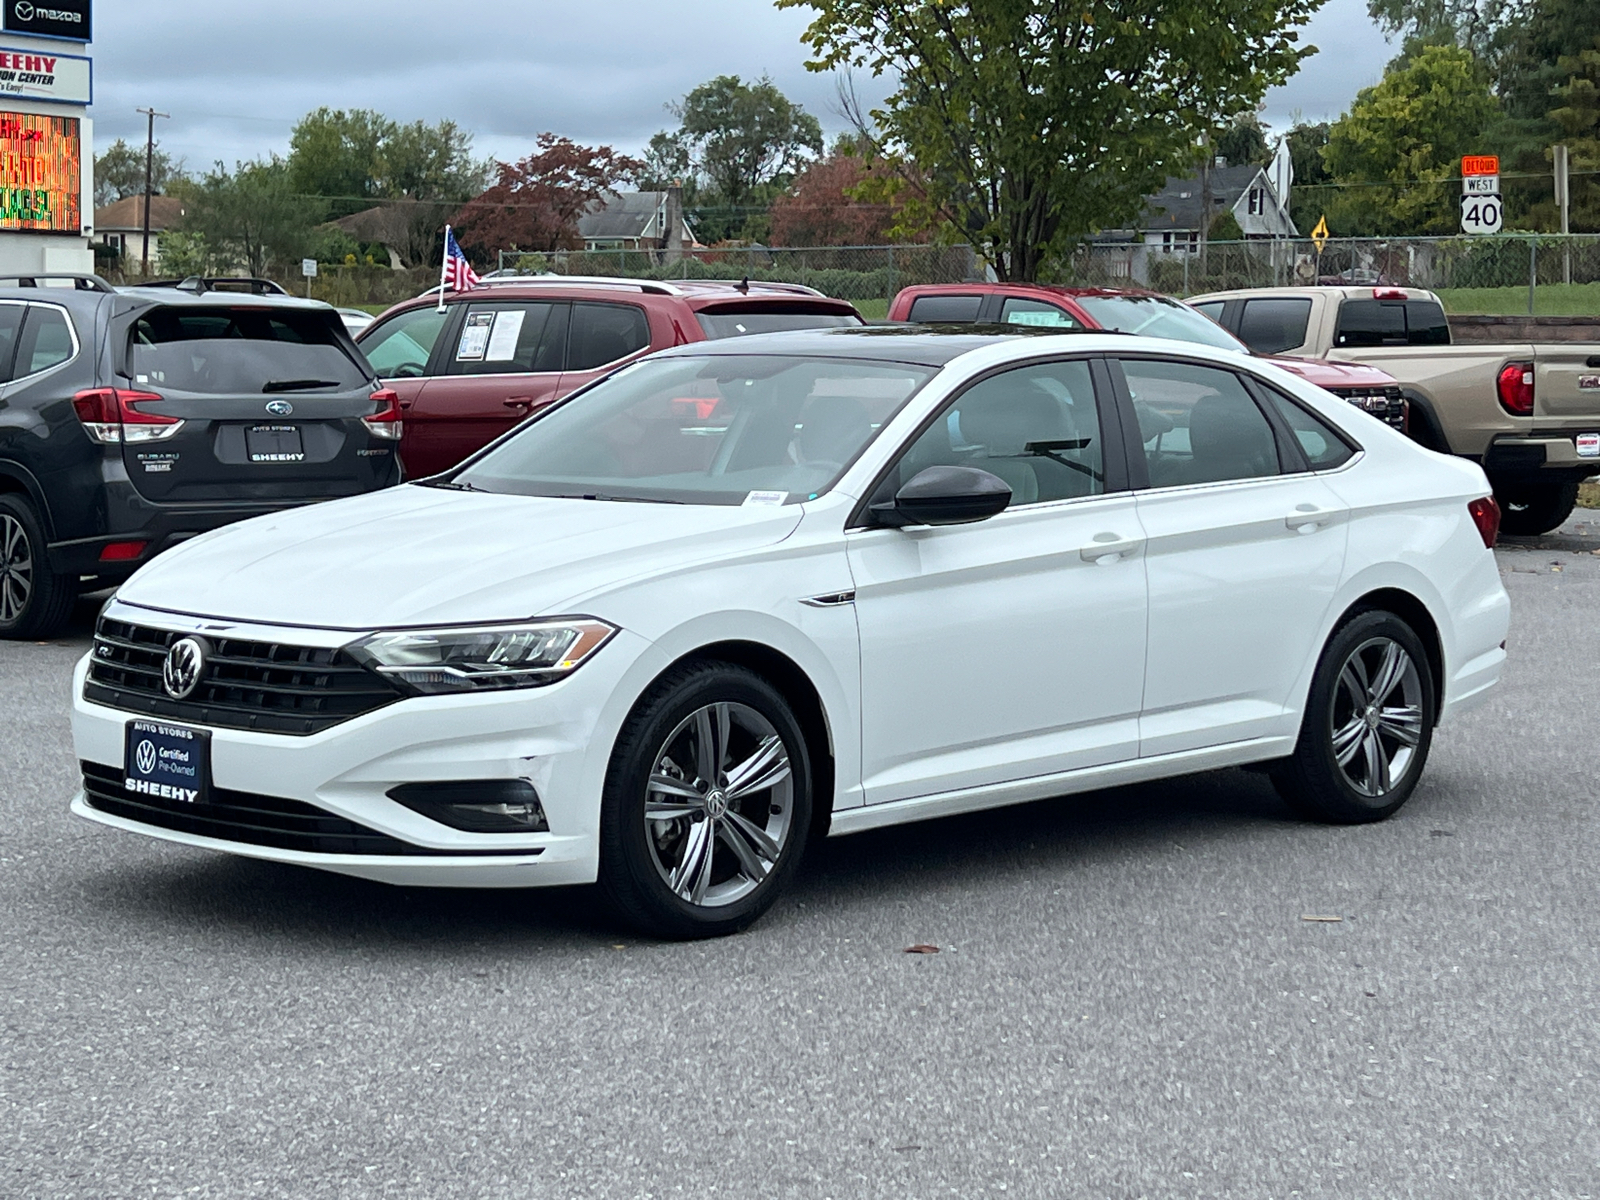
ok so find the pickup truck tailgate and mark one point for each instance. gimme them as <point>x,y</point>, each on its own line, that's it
<point>1565,385</point>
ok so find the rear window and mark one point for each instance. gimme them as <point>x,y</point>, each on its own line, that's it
<point>1275,325</point>
<point>738,320</point>
<point>227,350</point>
<point>1392,323</point>
<point>936,310</point>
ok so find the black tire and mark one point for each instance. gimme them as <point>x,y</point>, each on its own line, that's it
<point>639,857</point>
<point>35,601</point>
<point>1529,509</point>
<point>1314,781</point>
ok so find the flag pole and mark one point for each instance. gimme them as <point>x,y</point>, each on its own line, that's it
<point>444,266</point>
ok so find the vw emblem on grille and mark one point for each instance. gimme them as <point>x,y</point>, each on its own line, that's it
<point>279,408</point>
<point>145,757</point>
<point>186,662</point>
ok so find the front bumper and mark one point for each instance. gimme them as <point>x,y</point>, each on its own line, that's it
<point>558,738</point>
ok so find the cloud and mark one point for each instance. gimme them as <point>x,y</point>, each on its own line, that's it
<point>235,77</point>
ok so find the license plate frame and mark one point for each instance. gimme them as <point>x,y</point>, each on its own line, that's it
<point>271,444</point>
<point>167,762</point>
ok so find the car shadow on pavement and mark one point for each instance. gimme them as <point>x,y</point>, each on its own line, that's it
<point>321,909</point>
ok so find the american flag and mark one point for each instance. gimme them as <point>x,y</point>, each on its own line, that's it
<point>457,274</point>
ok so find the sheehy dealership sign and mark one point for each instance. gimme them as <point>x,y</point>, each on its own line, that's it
<point>69,19</point>
<point>64,78</point>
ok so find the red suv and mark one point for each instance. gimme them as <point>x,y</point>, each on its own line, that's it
<point>1131,310</point>
<point>469,371</point>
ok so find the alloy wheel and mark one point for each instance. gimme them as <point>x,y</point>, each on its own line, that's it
<point>16,568</point>
<point>718,807</point>
<point>1377,717</point>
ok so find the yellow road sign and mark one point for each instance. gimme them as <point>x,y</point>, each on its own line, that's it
<point>1319,235</point>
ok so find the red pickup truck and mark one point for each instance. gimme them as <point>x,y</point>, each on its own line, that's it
<point>1131,311</point>
<point>467,372</point>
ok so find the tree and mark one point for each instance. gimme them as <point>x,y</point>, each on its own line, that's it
<point>251,218</point>
<point>740,136</point>
<point>822,206</point>
<point>535,204</point>
<point>119,172</point>
<point>1242,141</point>
<point>1409,131</point>
<point>1034,123</point>
<point>337,154</point>
<point>1579,120</point>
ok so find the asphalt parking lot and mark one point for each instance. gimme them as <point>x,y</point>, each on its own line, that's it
<point>1127,1002</point>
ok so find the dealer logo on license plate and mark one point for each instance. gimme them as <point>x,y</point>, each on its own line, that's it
<point>167,762</point>
<point>1588,383</point>
<point>1589,445</point>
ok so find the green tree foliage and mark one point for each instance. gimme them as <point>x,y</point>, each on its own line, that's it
<point>740,137</point>
<point>1578,118</point>
<point>335,153</point>
<point>1242,141</point>
<point>1406,136</point>
<point>1031,123</point>
<point>1489,28</point>
<point>119,172</point>
<point>251,218</point>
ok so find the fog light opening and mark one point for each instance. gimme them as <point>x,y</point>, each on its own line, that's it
<point>476,805</point>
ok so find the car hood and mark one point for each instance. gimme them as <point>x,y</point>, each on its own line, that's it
<point>419,555</point>
<point>1333,375</point>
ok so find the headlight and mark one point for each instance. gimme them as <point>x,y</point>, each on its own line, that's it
<point>483,658</point>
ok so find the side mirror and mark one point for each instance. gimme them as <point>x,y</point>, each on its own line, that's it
<point>945,496</point>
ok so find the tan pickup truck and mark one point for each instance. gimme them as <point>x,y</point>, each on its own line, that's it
<point>1529,412</point>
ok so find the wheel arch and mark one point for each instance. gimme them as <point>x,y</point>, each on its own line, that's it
<point>796,686</point>
<point>17,480</point>
<point>1410,609</point>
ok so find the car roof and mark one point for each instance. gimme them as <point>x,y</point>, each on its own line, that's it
<point>696,293</point>
<point>923,345</point>
<point>989,286</point>
<point>182,298</point>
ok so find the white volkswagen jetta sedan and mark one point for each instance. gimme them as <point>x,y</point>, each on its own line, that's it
<point>741,593</point>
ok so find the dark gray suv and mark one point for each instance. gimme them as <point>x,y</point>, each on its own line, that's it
<point>132,419</point>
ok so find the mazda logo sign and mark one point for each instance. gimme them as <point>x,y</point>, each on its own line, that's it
<point>24,11</point>
<point>279,408</point>
<point>186,663</point>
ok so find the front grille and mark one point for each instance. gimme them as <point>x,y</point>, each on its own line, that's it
<point>254,820</point>
<point>1387,404</point>
<point>269,687</point>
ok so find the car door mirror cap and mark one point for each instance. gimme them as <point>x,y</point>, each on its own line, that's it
<point>945,495</point>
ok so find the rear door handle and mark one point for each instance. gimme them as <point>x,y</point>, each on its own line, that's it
<point>1308,518</point>
<point>522,402</point>
<point>1108,548</point>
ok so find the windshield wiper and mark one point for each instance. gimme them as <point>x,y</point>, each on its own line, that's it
<point>457,485</point>
<point>619,499</point>
<point>297,385</point>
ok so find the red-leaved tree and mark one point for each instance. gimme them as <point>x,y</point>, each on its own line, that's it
<point>535,204</point>
<point>821,207</point>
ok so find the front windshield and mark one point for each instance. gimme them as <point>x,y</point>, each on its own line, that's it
<point>1156,316</point>
<point>714,429</point>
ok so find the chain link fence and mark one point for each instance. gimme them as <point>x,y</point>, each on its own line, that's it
<point>856,273</point>
<point>1546,274</point>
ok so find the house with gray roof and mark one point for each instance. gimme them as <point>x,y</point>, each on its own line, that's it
<point>636,221</point>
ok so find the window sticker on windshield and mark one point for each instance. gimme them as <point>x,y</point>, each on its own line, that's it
<point>503,337</point>
<point>764,498</point>
<point>474,337</point>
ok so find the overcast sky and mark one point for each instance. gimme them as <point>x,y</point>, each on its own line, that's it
<point>235,77</point>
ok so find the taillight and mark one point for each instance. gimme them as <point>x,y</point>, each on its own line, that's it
<point>1515,384</point>
<point>385,422</point>
<point>1388,293</point>
<point>1486,516</point>
<point>111,415</point>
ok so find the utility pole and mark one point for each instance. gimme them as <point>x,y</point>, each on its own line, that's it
<point>149,166</point>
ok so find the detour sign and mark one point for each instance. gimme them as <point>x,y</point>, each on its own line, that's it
<point>1480,164</point>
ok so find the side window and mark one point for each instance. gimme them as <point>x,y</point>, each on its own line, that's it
<point>1273,326</point>
<point>507,338</point>
<point>10,324</point>
<point>1212,309</point>
<point>46,341</point>
<point>1035,427</point>
<point>1017,311</point>
<point>603,333</point>
<point>400,347</point>
<point>1322,445</point>
<point>939,309</point>
<point>1198,424</point>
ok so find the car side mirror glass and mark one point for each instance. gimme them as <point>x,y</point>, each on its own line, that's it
<point>945,496</point>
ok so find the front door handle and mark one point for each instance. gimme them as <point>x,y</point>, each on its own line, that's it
<point>522,402</point>
<point>1108,548</point>
<point>1308,518</point>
